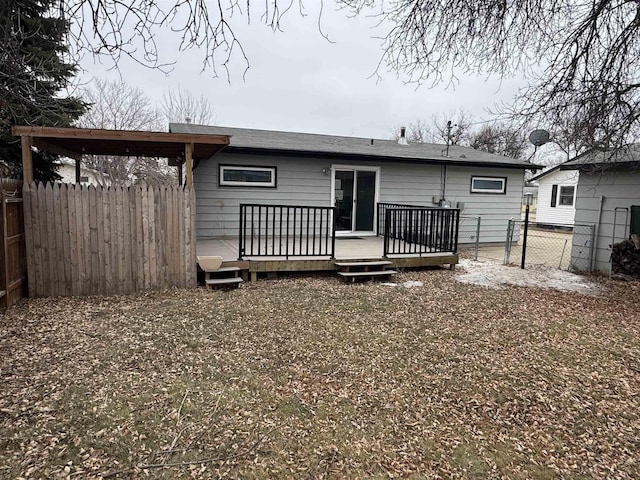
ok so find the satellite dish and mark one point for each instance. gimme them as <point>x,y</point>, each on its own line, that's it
<point>539,137</point>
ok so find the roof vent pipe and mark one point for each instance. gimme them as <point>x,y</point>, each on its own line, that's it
<point>403,139</point>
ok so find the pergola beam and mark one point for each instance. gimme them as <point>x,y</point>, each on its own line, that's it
<point>76,142</point>
<point>43,144</point>
<point>124,135</point>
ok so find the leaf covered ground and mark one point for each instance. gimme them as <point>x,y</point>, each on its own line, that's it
<point>308,377</point>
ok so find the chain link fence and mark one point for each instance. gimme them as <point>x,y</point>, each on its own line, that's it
<point>559,247</point>
<point>482,238</point>
<point>562,247</point>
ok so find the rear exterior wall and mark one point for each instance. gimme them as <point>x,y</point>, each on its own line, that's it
<point>301,181</point>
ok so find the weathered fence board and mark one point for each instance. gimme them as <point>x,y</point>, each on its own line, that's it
<point>13,258</point>
<point>97,241</point>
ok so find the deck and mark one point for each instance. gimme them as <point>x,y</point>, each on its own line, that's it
<point>360,248</point>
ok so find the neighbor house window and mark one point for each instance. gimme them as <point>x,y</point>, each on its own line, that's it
<point>566,196</point>
<point>245,176</point>
<point>488,185</point>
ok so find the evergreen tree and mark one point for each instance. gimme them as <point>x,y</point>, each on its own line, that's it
<point>34,73</point>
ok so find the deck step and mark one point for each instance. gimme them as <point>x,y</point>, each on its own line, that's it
<point>223,277</point>
<point>367,274</point>
<point>226,269</point>
<point>375,263</point>
<point>223,281</point>
<point>362,269</point>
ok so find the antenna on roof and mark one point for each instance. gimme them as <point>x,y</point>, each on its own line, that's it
<point>449,127</point>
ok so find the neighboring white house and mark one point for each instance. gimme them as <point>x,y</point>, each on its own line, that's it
<point>88,176</point>
<point>608,196</point>
<point>556,203</point>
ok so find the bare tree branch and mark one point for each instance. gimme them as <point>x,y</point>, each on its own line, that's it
<point>115,105</point>
<point>181,106</point>
<point>578,55</point>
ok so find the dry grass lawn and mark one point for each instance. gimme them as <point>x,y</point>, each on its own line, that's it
<point>312,378</point>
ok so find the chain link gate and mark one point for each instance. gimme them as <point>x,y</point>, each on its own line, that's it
<point>562,247</point>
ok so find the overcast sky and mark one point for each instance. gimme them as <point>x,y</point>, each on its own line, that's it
<point>299,81</point>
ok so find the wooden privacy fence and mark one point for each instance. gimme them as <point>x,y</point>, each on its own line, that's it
<point>13,257</point>
<point>93,241</point>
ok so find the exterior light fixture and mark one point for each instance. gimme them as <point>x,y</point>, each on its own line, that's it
<point>528,199</point>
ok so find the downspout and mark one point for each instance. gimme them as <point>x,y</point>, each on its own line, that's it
<point>595,236</point>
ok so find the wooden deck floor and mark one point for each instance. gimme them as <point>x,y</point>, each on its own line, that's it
<point>364,248</point>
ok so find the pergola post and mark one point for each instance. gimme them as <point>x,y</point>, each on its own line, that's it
<point>27,159</point>
<point>77,171</point>
<point>188,163</point>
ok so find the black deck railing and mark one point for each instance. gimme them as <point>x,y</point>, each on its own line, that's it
<point>286,231</point>
<point>382,209</point>
<point>420,230</point>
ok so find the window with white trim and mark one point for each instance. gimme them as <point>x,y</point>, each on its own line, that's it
<point>565,198</point>
<point>489,185</point>
<point>247,176</point>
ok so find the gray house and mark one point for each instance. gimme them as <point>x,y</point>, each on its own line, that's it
<point>354,175</point>
<point>608,196</point>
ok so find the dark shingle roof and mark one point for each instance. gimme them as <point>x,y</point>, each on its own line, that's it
<point>243,139</point>
<point>627,157</point>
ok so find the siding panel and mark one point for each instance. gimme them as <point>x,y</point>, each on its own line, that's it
<point>300,181</point>
<point>619,189</point>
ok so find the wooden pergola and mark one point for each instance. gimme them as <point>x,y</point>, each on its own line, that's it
<point>178,148</point>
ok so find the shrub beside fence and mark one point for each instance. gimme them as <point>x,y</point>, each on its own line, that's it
<point>95,241</point>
